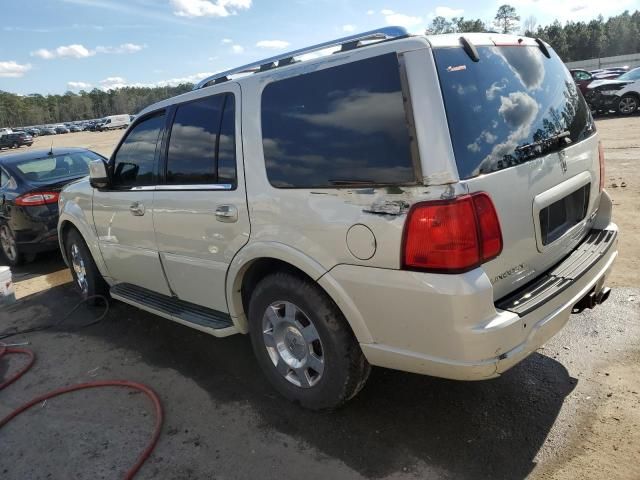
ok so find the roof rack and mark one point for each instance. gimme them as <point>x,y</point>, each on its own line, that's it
<point>346,43</point>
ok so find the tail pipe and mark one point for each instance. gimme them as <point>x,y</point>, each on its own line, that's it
<point>591,299</point>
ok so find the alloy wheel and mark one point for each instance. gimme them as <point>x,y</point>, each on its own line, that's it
<point>628,105</point>
<point>293,344</point>
<point>77,263</point>
<point>8,243</point>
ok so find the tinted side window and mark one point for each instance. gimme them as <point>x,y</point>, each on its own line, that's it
<point>339,126</point>
<point>194,142</point>
<point>227,143</point>
<point>135,160</point>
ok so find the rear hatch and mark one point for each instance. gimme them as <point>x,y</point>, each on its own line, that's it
<point>522,132</point>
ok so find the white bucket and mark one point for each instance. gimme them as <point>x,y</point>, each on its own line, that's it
<point>7,292</point>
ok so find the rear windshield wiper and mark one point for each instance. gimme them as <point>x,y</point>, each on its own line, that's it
<point>545,145</point>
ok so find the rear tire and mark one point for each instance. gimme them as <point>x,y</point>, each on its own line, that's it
<point>85,273</point>
<point>303,343</point>
<point>9,247</point>
<point>628,104</point>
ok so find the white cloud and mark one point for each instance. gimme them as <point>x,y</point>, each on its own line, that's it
<point>111,83</point>
<point>400,19</point>
<point>114,83</point>
<point>237,48</point>
<point>80,51</point>
<point>12,69</point>
<point>348,28</point>
<point>549,10</point>
<point>277,44</point>
<point>227,40</point>
<point>370,12</point>
<point>78,85</point>
<point>69,51</point>
<point>124,48</point>
<point>448,12</point>
<point>209,8</point>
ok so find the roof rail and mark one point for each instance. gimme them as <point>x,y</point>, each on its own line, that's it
<point>346,43</point>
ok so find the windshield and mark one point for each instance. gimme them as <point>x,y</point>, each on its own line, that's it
<point>632,75</point>
<point>507,108</point>
<point>55,168</point>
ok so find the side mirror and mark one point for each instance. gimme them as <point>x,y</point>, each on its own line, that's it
<point>98,176</point>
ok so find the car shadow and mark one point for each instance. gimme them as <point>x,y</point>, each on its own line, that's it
<point>43,264</point>
<point>400,422</point>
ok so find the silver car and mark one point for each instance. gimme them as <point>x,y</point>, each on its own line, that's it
<point>432,204</point>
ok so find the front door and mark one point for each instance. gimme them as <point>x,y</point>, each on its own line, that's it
<point>200,210</point>
<point>123,214</point>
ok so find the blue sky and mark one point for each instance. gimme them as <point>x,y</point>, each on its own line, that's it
<point>50,46</point>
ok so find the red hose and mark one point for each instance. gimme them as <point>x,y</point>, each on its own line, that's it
<point>106,383</point>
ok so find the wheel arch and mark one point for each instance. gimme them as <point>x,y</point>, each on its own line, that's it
<point>258,260</point>
<point>67,222</point>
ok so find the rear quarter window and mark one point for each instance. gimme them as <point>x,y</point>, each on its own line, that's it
<point>343,125</point>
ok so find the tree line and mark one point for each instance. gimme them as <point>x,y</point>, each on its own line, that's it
<point>36,109</point>
<point>617,35</point>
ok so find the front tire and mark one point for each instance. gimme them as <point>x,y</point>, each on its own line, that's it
<point>628,104</point>
<point>85,273</point>
<point>303,343</point>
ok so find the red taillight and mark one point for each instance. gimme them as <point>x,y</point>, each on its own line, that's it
<point>37,198</point>
<point>452,235</point>
<point>601,160</point>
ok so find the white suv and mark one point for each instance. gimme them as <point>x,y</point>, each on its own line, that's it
<point>428,204</point>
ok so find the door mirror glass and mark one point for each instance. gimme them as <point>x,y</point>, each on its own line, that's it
<point>98,176</point>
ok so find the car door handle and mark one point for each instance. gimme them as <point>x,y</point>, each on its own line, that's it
<point>137,209</point>
<point>227,214</point>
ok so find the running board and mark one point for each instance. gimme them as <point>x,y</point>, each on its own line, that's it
<point>201,318</point>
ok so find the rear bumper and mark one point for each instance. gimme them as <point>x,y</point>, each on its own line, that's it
<point>35,228</point>
<point>448,325</point>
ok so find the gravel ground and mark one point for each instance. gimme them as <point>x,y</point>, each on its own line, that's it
<point>570,410</point>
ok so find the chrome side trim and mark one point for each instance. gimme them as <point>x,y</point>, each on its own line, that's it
<point>211,186</point>
<point>208,186</point>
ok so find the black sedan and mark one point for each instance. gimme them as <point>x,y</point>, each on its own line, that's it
<point>29,187</point>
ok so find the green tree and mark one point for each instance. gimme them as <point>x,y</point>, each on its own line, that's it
<point>440,25</point>
<point>461,25</point>
<point>506,19</point>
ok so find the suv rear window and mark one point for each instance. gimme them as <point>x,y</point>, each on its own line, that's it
<point>513,105</point>
<point>344,125</point>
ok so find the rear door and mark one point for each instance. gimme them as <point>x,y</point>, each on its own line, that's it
<point>200,209</point>
<point>522,132</point>
<point>123,214</point>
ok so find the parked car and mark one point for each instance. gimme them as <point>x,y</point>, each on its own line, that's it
<point>428,204</point>
<point>33,131</point>
<point>61,129</point>
<point>75,128</point>
<point>582,79</point>
<point>48,131</point>
<point>16,140</point>
<point>621,94</point>
<point>114,122</point>
<point>30,185</point>
<point>95,126</point>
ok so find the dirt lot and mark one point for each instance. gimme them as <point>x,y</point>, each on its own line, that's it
<point>571,410</point>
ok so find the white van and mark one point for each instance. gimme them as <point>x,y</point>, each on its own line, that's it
<point>4,131</point>
<point>115,121</point>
